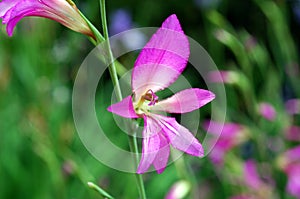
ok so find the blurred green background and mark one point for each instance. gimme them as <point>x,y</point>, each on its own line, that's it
<point>41,155</point>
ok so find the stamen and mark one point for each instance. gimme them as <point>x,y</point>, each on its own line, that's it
<point>150,96</point>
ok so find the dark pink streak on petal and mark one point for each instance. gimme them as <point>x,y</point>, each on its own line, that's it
<point>124,108</point>
<point>162,60</point>
<point>179,137</point>
<point>185,101</point>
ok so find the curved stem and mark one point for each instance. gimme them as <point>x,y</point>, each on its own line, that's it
<point>114,76</point>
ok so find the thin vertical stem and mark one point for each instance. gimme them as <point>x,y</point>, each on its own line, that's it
<point>112,67</point>
<point>114,76</point>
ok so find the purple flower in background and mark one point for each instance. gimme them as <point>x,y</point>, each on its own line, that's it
<point>159,64</point>
<point>228,77</point>
<point>120,20</point>
<point>251,176</point>
<point>267,111</point>
<point>292,106</point>
<point>257,188</point>
<point>62,11</point>
<point>232,135</point>
<point>293,133</point>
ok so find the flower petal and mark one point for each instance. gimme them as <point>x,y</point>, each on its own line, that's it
<point>293,185</point>
<point>185,101</point>
<point>180,137</point>
<point>151,144</point>
<point>61,11</point>
<point>124,108</point>
<point>161,159</point>
<point>6,5</point>
<point>162,60</point>
<point>251,176</point>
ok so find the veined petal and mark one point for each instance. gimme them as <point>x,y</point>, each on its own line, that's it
<point>6,5</point>
<point>124,108</point>
<point>179,137</point>
<point>151,144</point>
<point>62,11</point>
<point>185,101</point>
<point>161,159</point>
<point>162,60</point>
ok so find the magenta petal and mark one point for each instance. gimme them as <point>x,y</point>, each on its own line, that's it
<point>162,60</point>
<point>180,137</point>
<point>293,185</point>
<point>293,154</point>
<point>251,176</point>
<point>185,101</point>
<point>267,111</point>
<point>124,108</point>
<point>161,159</point>
<point>61,11</point>
<point>6,5</point>
<point>151,144</point>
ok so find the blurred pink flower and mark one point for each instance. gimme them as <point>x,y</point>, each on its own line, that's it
<point>241,197</point>
<point>293,185</point>
<point>251,176</point>
<point>293,133</point>
<point>229,77</point>
<point>267,111</point>
<point>289,162</point>
<point>292,106</point>
<point>232,135</point>
<point>179,190</point>
<point>257,188</point>
<point>62,11</point>
<point>159,64</point>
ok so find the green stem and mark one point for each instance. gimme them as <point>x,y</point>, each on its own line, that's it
<point>103,193</point>
<point>134,149</point>
<point>112,66</point>
<point>114,76</point>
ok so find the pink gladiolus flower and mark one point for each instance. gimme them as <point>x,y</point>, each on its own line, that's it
<point>267,111</point>
<point>159,64</point>
<point>62,11</point>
